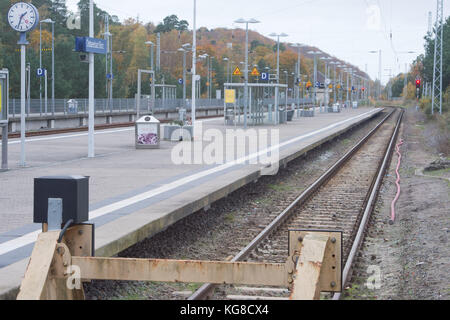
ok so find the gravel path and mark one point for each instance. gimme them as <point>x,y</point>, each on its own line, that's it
<point>410,259</point>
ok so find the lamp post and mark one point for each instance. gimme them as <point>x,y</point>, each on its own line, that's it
<point>184,50</point>
<point>379,72</point>
<point>210,78</point>
<point>341,77</point>
<point>194,62</point>
<point>53,57</point>
<point>298,70</point>
<point>325,85</point>
<point>241,20</point>
<point>206,57</point>
<point>151,53</point>
<point>109,51</point>
<point>315,54</point>
<point>278,69</point>
<point>334,63</point>
<point>228,68</point>
<point>91,147</point>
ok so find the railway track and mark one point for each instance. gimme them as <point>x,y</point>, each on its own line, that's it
<point>341,199</point>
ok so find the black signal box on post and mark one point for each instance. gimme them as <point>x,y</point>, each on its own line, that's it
<point>74,192</point>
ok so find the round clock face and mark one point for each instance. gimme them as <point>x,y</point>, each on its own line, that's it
<point>23,17</point>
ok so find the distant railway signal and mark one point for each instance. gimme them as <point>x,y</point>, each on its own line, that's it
<point>418,82</point>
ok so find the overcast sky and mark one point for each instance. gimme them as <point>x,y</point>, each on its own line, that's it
<point>347,29</point>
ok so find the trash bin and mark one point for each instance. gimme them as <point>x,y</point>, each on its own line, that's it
<point>147,133</point>
<point>290,115</point>
<point>282,115</point>
<point>72,106</point>
<point>182,115</point>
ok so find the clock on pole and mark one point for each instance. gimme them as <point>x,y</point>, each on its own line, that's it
<point>23,17</point>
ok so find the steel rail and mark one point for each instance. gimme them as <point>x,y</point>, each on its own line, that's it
<point>369,205</point>
<point>206,289</point>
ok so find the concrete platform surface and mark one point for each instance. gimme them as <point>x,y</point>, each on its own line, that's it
<point>137,193</point>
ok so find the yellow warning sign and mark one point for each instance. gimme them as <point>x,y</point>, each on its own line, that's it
<point>308,84</point>
<point>237,72</point>
<point>338,86</point>
<point>255,72</point>
<point>330,86</point>
<point>230,96</point>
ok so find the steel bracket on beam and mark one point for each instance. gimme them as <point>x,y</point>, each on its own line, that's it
<point>322,250</point>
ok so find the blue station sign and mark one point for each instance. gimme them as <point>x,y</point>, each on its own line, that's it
<point>90,45</point>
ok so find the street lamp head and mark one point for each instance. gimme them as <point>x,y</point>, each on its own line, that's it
<point>47,21</point>
<point>242,20</point>
<point>273,34</point>
<point>225,59</point>
<point>149,43</point>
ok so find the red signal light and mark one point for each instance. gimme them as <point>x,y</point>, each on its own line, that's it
<point>418,83</point>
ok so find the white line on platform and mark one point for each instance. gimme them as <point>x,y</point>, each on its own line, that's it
<point>70,136</point>
<point>32,236</point>
<point>81,134</point>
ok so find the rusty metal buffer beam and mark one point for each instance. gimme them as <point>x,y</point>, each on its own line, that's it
<point>56,270</point>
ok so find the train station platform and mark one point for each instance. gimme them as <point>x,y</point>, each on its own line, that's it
<point>138,193</point>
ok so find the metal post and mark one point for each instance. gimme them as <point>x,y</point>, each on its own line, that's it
<point>45,93</point>
<point>436,97</point>
<point>112,76</point>
<point>246,77</point>
<point>151,56</point>
<point>351,87</point>
<point>379,74</point>
<point>53,68</point>
<point>158,51</point>
<point>91,148</point>
<point>348,78</point>
<point>107,52</point>
<point>4,147</point>
<point>184,78</point>
<point>405,81</point>
<point>28,88</point>
<point>228,71</point>
<point>334,84</point>
<point>194,62</point>
<point>22,102</point>
<point>138,96</point>
<point>315,81</point>
<point>4,92</point>
<point>40,66</point>
<point>299,75</point>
